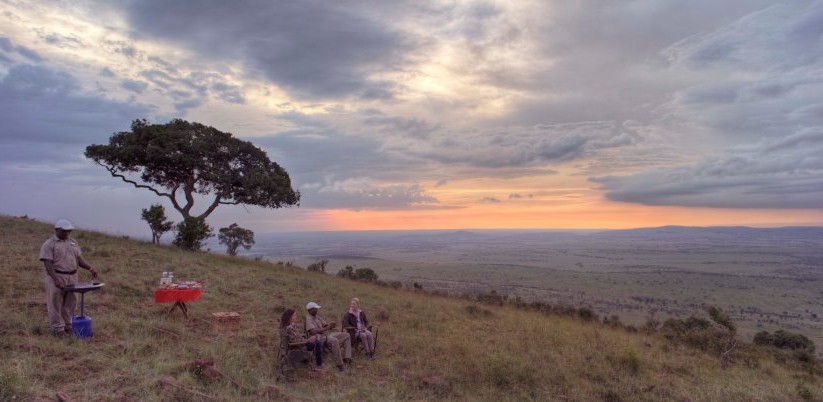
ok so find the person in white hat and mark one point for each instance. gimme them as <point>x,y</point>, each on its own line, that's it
<point>340,342</point>
<point>61,256</point>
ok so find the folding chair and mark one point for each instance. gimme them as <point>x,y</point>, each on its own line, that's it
<point>289,359</point>
<point>356,343</point>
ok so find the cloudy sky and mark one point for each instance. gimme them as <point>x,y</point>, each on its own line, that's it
<point>430,114</point>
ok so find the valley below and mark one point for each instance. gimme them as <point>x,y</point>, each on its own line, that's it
<point>765,279</point>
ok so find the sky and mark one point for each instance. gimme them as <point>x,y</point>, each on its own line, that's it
<point>429,114</point>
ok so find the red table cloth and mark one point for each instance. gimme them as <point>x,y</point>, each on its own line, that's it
<point>176,295</point>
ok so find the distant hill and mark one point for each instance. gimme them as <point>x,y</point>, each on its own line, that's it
<point>715,233</point>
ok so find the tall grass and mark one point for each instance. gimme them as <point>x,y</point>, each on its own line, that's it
<point>430,347</point>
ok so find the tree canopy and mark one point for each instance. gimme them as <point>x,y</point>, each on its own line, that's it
<point>180,159</point>
<point>235,236</point>
<point>155,216</point>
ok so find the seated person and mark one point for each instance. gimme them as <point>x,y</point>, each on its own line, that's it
<point>288,328</point>
<point>356,323</point>
<point>339,342</point>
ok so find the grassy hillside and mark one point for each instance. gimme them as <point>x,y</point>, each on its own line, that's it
<point>429,347</point>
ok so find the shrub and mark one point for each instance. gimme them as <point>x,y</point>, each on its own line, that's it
<point>191,233</point>
<point>586,314</point>
<point>318,266</point>
<point>477,312</point>
<point>359,274</point>
<point>365,275</point>
<point>804,392</point>
<point>695,332</point>
<point>347,272</point>
<point>613,321</point>
<point>784,340</point>
<point>630,361</point>
<point>492,298</point>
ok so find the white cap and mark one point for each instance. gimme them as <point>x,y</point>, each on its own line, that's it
<point>312,305</point>
<point>64,224</point>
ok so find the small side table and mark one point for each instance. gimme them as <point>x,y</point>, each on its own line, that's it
<point>81,325</point>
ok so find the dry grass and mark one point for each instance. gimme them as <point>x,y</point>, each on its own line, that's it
<point>429,347</point>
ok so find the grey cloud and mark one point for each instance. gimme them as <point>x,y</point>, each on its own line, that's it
<point>312,48</point>
<point>778,84</point>
<point>606,61</point>
<point>106,72</point>
<point>517,147</point>
<point>28,53</point>
<point>490,200</point>
<point>41,104</point>
<point>314,155</point>
<point>134,86</point>
<point>334,170</point>
<point>414,127</point>
<point>163,63</point>
<point>229,93</point>
<point>779,173</point>
<point>6,44</point>
<point>158,77</point>
<point>184,106</point>
<point>63,41</point>
<point>362,194</point>
<point>128,51</point>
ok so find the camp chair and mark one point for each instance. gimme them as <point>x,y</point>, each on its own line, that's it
<point>356,343</point>
<point>289,359</point>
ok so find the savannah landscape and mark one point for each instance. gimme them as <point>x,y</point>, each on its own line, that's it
<point>430,346</point>
<point>766,279</point>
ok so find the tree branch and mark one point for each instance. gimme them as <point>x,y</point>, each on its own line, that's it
<point>212,207</point>
<point>136,184</point>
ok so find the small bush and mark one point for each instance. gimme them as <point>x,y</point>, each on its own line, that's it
<point>318,266</point>
<point>613,321</point>
<point>804,392</point>
<point>477,312</point>
<point>359,274</point>
<point>784,340</point>
<point>192,233</point>
<point>630,361</point>
<point>586,314</point>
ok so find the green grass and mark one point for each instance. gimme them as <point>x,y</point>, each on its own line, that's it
<point>429,347</point>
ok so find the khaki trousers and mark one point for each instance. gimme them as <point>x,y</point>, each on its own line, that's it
<point>60,304</point>
<point>340,344</point>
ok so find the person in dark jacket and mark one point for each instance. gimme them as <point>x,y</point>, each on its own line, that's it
<point>356,323</point>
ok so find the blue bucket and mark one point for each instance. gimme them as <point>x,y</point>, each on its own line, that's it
<point>81,326</point>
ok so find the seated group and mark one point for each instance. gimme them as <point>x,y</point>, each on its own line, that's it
<point>318,333</point>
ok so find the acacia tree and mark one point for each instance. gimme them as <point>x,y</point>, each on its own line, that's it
<point>235,236</point>
<point>180,160</point>
<point>155,216</point>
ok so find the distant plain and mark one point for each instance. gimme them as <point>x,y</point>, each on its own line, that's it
<point>767,279</point>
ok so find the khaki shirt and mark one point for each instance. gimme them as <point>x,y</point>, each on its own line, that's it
<point>313,322</point>
<point>63,253</point>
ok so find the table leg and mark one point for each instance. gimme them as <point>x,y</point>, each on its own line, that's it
<point>182,307</point>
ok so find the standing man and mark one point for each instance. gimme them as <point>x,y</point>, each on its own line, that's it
<point>336,340</point>
<point>61,257</point>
